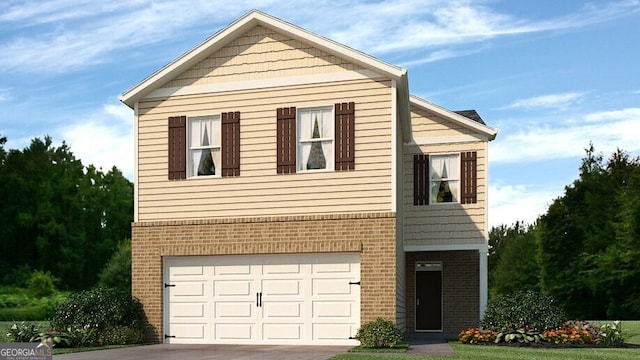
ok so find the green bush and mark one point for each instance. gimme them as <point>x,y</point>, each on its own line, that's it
<point>117,272</point>
<point>99,309</point>
<point>22,332</point>
<point>527,310</point>
<point>41,283</point>
<point>34,312</point>
<point>379,334</point>
<point>121,335</point>
<point>611,335</point>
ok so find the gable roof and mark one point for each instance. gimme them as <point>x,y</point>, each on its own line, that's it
<point>247,22</point>
<point>466,118</point>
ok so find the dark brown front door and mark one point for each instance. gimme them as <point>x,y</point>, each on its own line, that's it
<point>428,300</point>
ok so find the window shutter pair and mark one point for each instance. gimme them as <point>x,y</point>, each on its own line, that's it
<point>230,145</point>
<point>468,178</point>
<point>344,139</point>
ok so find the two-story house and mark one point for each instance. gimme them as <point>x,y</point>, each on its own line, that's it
<point>288,189</point>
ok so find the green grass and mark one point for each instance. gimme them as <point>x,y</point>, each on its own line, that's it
<point>630,330</point>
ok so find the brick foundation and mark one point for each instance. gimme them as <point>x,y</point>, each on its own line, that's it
<point>370,234</point>
<point>460,288</point>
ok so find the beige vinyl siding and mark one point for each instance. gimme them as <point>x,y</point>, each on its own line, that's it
<point>443,224</point>
<point>259,190</point>
<point>261,54</point>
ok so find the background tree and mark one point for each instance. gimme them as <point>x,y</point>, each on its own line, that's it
<point>59,216</point>
<point>512,260</point>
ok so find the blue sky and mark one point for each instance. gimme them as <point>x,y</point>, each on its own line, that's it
<point>550,75</point>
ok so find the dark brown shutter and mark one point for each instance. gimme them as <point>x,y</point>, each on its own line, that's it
<point>177,147</point>
<point>231,144</point>
<point>420,179</point>
<point>345,136</point>
<point>286,141</point>
<point>468,177</point>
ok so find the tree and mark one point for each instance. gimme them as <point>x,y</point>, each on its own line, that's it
<point>512,260</point>
<point>589,240</point>
<point>59,216</point>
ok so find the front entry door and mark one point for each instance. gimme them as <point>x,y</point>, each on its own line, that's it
<point>429,297</point>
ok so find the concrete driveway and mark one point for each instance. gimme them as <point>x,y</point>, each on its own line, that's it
<point>210,352</point>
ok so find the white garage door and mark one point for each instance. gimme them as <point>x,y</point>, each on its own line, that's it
<point>262,299</point>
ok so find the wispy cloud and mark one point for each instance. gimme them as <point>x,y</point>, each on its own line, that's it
<point>607,130</point>
<point>69,34</point>
<point>551,101</point>
<point>4,95</point>
<point>524,203</point>
<point>103,138</point>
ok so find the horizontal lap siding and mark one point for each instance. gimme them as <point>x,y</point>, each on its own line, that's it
<point>259,190</point>
<point>443,224</point>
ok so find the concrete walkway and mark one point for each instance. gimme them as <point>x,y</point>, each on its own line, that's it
<point>430,347</point>
<point>209,352</point>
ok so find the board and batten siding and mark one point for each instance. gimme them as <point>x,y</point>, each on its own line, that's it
<point>443,224</point>
<point>259,190</point>
<point>261,53</point>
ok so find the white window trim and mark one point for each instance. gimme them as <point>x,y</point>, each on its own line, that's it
<point>190,148</point>
<point>457,195</point>
<point>330,161</point>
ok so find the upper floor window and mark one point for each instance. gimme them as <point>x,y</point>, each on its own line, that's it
<point>315,139</point>
<point>445,178</point>
<point>204,146</point>
<point>444,175</point>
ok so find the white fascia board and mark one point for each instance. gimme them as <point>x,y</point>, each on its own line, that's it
<point>453,139</point>
<point>237,28</point>
<point>447,247</point>
<point>464,121</point>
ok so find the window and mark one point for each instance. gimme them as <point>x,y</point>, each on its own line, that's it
<point>444,178</point>
<point>315,139</point>
<point>204,146</point>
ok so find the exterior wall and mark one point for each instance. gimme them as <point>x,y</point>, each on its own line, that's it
<point>259,190</point>
<point>443,224</point>
<point>460,288</point>
<point>261,54</point>
<point>370,234</point>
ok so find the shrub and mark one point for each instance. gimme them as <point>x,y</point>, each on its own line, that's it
<point>117,272</point>
<point>41,283</point>
<point>22,332</point>
<point>523,336</point>
<point>522,309</point>
<point>611,334</point>
<point>121,335</point>
<point>379,334</point>
<point>99,309</point>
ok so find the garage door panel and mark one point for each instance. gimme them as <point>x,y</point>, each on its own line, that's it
<point>333,309</point>
<point>331,268</point>
<point>282,331</point>
<point>233,310</point>
<point>278,269</point>
<point>185,289</point>
<point>282,310</point>
<point>187,310</point>
<point>331,287</point>
<point>225,270</point>
<point>235,331</point>
<point>232,288</point>
<point>282,287</point>
<point>188,332</point>
<point>181,271</point>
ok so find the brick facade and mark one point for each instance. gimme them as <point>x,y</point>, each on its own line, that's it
<point>370,234</point>
<point>460,288</point>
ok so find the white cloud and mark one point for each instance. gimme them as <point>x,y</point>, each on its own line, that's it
<point>4,95</point>
<point>524,203</point>
<point>75,33</point>
<point>104,139</point>
<point>550,101</point>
